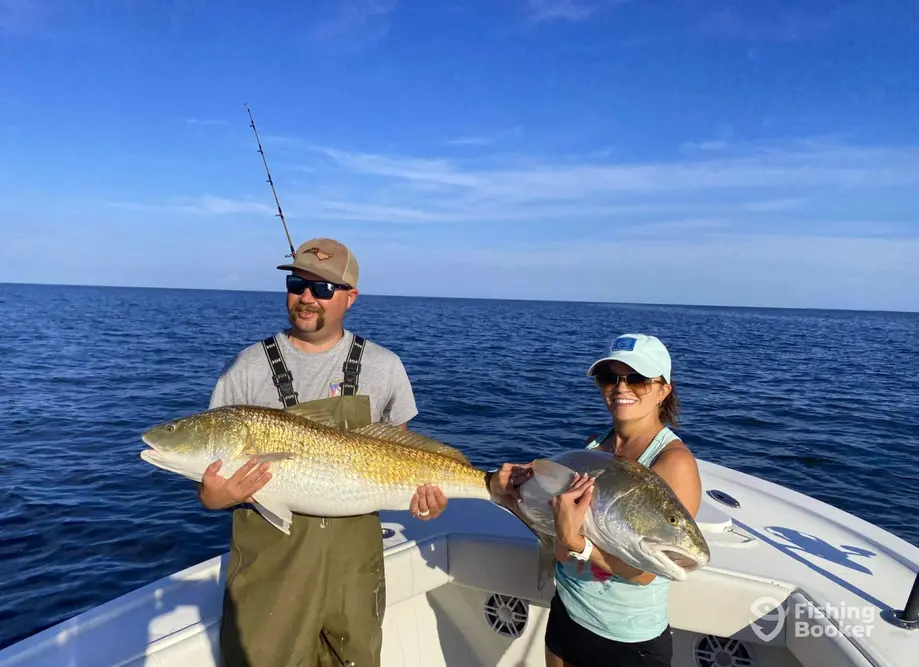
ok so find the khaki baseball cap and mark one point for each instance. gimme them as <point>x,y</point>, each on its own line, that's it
<point>326,258</point>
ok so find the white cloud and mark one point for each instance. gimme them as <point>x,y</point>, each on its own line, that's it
<point>203,205</point>
<point>204,121</point>
<point>358,22</point>
<point>809,184</point>
<point>710,145</point>
<point>774,204</point>
<point>486,139</point>
<point>566,10</point>
<point>348,210</point>
<point>471,141</point>
<point>743,182</point>
<point>819,165</point>
<point>439,171</point>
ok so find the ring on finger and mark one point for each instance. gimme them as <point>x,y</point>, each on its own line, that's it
<point>424,513</point>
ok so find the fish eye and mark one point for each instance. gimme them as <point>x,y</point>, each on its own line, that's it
<point>672,519</point>
<point>170,428</point>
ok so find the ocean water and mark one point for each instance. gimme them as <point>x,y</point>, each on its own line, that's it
<point>821,401</point>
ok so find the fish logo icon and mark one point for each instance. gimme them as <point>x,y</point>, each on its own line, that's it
<point>767,618</point>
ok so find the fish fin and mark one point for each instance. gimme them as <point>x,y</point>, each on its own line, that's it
<point>333,413</point>
<point>554,478</point>
<point>270,457</point>
<point>396,435</point>
<point>274,511</point>
<point>545,549</point>
<point>591,462</point>
<point>546,560</point>
<point>316,413</point>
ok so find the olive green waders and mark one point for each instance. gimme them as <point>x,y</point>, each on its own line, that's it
<point>314,598</point>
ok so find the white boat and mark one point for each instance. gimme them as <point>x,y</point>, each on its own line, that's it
<point>792,581</point>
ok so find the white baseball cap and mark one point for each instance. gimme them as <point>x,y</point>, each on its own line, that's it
<point>646,354</point>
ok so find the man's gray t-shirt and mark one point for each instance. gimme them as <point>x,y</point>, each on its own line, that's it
<point>247,379</point>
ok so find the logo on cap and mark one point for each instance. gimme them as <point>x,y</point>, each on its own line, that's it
<point>320,254</point>
<point>624,343</point>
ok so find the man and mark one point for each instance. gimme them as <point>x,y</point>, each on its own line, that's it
<point>316,596</point>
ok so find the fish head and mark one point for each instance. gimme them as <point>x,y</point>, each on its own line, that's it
<point>676,544</point>
<point>658,531</point>
<point>192,443</point>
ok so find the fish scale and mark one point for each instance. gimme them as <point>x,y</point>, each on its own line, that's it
<point>364,456</point>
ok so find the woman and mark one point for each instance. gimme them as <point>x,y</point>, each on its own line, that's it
<point>606,612</point>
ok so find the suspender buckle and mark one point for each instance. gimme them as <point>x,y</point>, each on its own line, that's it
<point>351,370</point>
<point>283,378</point>
<point>285,383</point>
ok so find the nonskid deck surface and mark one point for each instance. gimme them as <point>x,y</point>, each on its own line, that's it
<point>785,547</point>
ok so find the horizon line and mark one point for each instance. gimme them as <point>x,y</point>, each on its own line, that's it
<point>485,298</point>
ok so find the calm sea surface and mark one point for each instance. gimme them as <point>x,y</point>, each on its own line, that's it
<point>824,402</point>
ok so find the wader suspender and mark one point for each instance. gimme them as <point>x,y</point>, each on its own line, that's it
<point>282,377</point>
<point>352,367</point>
<point>284,380</point>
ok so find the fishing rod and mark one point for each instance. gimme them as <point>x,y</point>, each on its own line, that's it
<point>271,183</point>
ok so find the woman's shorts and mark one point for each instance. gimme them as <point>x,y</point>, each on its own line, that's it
<point>580,647</point>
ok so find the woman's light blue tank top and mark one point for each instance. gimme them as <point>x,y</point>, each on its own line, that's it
<point>608,605</point>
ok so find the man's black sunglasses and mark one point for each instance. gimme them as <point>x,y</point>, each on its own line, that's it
<point>321,289</point>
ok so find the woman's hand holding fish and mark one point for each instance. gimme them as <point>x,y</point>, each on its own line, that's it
<point>503,482</point>
<point>428,502</point>
<point>569,509</point>
<point>217,492</point>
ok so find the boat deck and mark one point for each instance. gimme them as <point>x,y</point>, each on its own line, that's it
<point>775,548</point>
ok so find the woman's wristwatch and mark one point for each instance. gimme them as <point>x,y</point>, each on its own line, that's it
<point>584,555</point>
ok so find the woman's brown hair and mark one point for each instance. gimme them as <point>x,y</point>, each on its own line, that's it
<point>670,408</point>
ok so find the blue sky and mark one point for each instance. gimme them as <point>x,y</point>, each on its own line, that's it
<point>700,151</point>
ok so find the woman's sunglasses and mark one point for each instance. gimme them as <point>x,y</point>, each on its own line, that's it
<point>637,382</point>
<point>320,289</point>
